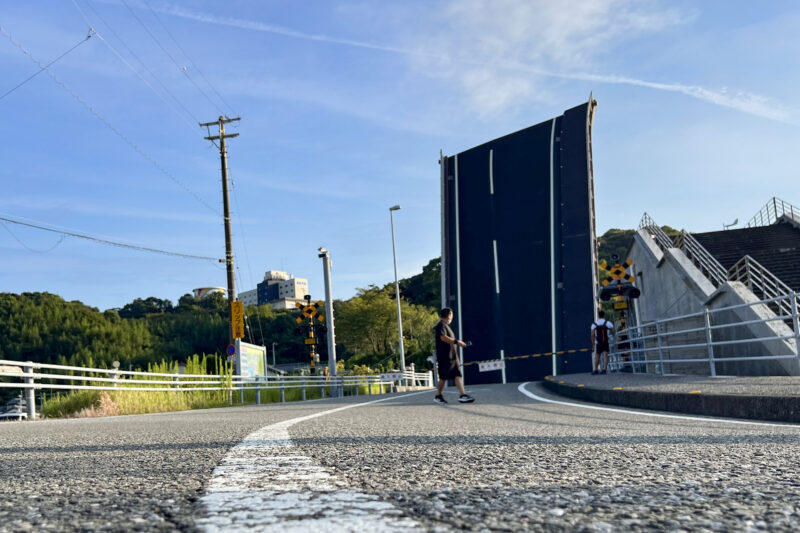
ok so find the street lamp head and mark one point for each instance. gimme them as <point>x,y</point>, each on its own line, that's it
<point>322,252</point>
<point>394,208</point>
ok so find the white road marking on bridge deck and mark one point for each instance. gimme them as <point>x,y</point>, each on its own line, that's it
<point>529,394</point>
<point>264,484</point>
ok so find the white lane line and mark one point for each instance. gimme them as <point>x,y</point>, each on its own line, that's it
<point>529,394</point>
<point>264,484</point>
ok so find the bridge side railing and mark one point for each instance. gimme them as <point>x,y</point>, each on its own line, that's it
<point>30,376</point>
<point>705,337</point>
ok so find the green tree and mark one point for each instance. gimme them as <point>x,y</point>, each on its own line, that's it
<point>366,326</point>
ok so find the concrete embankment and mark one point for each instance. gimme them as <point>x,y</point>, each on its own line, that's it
<point>773,398</point>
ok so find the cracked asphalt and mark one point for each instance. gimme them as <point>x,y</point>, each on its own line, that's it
<point>503,463</point>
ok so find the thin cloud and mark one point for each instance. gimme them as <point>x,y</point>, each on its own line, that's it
<point>478,82</point>
<point>244,24</point>
<point>752,104</point>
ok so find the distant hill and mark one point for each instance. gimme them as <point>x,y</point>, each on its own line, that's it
<point>619,241</point>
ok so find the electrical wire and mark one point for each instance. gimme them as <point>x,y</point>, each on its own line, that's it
<point>244,245</point>
<point>109,242</point>
<point>166,29</point>
<point>108,124</point>
<point>131,52</point>
<point>29,78</point>
<point>125,61</point>
<point>179,67</point>
<point>59,241</point>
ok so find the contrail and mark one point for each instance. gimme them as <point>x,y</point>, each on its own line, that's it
<point>747,103</point>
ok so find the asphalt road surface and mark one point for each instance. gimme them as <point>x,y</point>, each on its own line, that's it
<point>507,462</point>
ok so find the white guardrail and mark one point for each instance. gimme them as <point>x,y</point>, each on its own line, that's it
<point>703,337</point>
<point>30,376</point>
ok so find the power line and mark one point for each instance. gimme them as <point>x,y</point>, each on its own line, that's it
<point>181,68</point>
<point>166,29</point>
<point>130,51</point>
<point>110,243</point>
<point>108,124</point>
<point>246,254</point>
<point>29,78</point>
<point>59,241</point>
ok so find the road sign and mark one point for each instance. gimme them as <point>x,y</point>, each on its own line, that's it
<point>618,273</point>
<point>391,376</point>
<point>231,350</point>
<point>310,340</point>
<point>237,320</point>
<point>620,305</point>
<point>488,366</point>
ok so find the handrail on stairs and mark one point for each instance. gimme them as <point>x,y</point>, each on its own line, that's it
<point>772,211</point>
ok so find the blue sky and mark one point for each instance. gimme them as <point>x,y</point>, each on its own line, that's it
<point>344,108</point>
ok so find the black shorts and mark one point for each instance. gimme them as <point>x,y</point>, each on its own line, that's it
<point>448,368</point>
<point>602,347</point>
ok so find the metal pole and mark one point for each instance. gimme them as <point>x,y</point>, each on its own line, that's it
<point>326,270</point>
<point>397,295</point>
<point>634,346</point>
<point>303,390</point>
<point>660,349</point>
<point>283,392</point>
<point>274,364</point>
<point>708,343</point>
<point>795,324</point>
<point>30,398</point>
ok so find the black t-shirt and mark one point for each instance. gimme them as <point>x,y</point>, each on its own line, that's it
<point>443,349</point>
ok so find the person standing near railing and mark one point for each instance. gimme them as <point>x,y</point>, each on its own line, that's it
<point>601,332</point>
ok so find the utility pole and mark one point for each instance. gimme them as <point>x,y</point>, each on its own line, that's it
<point>223,157</point>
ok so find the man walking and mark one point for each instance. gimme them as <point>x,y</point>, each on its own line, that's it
<point>601,331</point>
<point>447,357</point>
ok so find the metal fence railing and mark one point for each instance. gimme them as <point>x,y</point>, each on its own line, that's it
<point>662,239</point>
<point>773,210</point>
<point>763,283</point>
<point>702,258</point>
<point>711,337</point>
<point>30,376</point>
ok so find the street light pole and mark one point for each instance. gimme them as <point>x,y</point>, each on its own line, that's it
<point>397,295</point>
<point>326,268</point>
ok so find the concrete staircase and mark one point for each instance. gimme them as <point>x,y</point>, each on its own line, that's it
<point>727,273</point>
